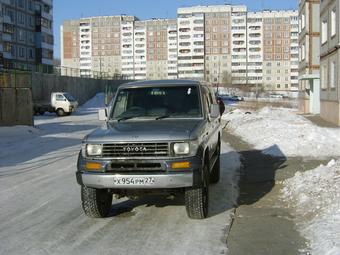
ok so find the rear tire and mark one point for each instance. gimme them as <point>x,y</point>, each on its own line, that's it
<point>96,203</point>
<point>60,112</point>
<point>197,198</point>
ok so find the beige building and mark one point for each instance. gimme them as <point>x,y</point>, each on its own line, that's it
<point>329,61</point>
<point>94,46</point>
<point>309,65</point>
<point>221,44</point>
<point>120,45</point>
<point>280,56</point>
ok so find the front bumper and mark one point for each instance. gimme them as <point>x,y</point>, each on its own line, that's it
<point>105,181</point>
<point>167,178</point>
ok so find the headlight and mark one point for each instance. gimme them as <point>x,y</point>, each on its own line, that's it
<point>93,149</point>
<point>181,148</point>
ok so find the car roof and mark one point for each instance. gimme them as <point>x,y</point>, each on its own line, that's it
<point>157,83</point>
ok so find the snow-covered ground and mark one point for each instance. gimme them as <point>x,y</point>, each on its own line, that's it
<point>281,132</point>
<point>315,196</point>
<point>40,207</point>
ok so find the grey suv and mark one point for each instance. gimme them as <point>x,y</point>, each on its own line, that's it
<point>159,136</point>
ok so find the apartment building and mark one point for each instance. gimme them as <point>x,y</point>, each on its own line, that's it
<point>280,50</point>
<point>309,67</point>
<point>255,48</point>
<point>190,23</point>
<point>221,44</point>
<point>239,45</point>
<point>329,60</point>
<point>26,34</point>
<point>161,49</point>
<point>98,45</point>
<point>111,45</point>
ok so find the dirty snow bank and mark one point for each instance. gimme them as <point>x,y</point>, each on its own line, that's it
<point>98,101</point>
<point>315,196</point>
<point>280,131</point>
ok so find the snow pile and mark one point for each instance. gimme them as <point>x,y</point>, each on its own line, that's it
<point>98,101</point>
<point>292,134</point>
<point>315,196</point>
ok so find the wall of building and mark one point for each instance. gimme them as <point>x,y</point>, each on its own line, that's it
<point>329,61</point>
<point>26,40</point>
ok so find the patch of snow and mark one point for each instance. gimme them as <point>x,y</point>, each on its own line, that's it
<point>98,101</point>
<point>291,133</point>
<point>315,196</point>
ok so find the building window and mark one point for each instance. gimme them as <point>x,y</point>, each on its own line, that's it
<point>278,86</point>
<point>303,51</point>
<point>303,21</point>
<point>332,74</point>
<point>324,77</point>
<point>333,23</point>
<point>324,34</point>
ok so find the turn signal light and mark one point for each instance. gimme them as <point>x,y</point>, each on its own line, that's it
<point>93,166</point>
<point>180,165</point>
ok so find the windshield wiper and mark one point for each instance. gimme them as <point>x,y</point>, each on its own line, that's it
<point>163,117</point>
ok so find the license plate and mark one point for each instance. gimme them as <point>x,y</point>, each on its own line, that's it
<point>133,180</point>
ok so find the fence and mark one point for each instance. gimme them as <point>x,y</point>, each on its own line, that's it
<point>19,89</point>
<point>75,72</point>
<point>16,98</point>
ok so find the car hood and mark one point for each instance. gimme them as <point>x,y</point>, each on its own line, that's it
<point>145,131</point>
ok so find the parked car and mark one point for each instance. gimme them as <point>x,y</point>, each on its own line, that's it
<point>276,96</point>
<point>62,103</point>
<point>153,143</point>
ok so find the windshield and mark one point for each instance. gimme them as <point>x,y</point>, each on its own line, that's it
<point>157,102</point>
<point>69,97</point>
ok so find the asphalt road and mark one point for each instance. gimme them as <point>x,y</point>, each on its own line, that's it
<point>40,208</point>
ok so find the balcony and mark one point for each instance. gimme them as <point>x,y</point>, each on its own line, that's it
<point>6,37</point>
<point>7,19</point>
<point>49,2</point>
<point>7,55</point>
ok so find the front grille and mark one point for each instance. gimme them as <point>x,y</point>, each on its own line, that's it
<point>136,150</point>
<point>134,166</point>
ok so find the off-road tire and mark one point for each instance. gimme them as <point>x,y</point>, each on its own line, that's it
<point>216,170</point>
<point>96,203</point>
<point>60,112</point>
<point>197,198</point>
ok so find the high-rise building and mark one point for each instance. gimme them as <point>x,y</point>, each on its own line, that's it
<point>309,67</point>
<point>279,59</point>
<point>221,44</point>
<point>26,30</point>
<point>190,23</point>
<point>255,48</point>
<point>239,45</point>
<point>121,45</point>
<point>329,60</point>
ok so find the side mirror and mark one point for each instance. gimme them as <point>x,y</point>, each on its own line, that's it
<point>214,111</point>
<point>102,114</point>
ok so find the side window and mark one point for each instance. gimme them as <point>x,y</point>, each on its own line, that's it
<point>212,96</point>
<point>59,97</point>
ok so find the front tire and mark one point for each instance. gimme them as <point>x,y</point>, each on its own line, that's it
<point>60,112</point>
<point>96,203</point>
<point>197,198</point>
